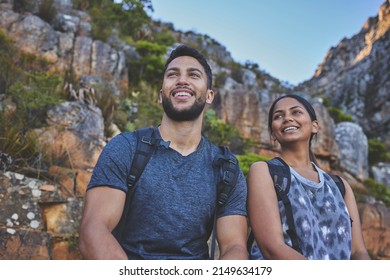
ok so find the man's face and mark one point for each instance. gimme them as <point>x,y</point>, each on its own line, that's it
<point>184,92</point>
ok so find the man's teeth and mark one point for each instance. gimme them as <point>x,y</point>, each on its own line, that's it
<point>290,128</point>
<point>183,93</point>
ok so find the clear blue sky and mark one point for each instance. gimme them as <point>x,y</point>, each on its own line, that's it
<point>287,38</point>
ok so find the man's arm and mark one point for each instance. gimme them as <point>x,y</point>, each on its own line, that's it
<point>231,236</point>
<point>102,211</point>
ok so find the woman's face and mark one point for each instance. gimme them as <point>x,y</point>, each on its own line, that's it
<point>291,122</point>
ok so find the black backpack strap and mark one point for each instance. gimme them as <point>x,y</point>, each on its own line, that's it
<point>228,171</point>
<point>339,183</point>
<point>281,177</point>
<point>228,167</point>
<point>249,242</point>
<point>146,145</point>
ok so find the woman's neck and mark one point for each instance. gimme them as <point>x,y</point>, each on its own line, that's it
<point>298,158</point>
<point>300,161</point>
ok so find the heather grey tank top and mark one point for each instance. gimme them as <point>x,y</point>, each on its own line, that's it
<point>321,219</point>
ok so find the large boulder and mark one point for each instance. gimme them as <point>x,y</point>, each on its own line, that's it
<point>353,146</point>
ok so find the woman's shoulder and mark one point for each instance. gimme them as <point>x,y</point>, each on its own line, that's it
<point>259,165</point>
<point>258,168</point>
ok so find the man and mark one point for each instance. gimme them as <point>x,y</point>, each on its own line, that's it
<point>171,214</point>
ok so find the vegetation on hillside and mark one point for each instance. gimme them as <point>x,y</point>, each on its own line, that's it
<point>27,91</point>
<point>377,151</point>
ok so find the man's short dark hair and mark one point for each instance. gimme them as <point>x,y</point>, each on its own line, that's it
<point>184,50</point>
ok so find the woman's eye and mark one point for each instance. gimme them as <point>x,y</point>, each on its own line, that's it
<point>277,117</point>
<point>297,112</point>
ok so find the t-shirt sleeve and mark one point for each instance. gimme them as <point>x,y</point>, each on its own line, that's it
<point>113,165</point>
<point>236,204</point>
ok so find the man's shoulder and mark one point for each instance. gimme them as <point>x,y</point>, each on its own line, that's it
<point>215,149</point>
<point>121,141</point>
<point>124,137</point>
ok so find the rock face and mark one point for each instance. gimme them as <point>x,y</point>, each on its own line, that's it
<point>375,218</point>
<point>66,44</point>
<point>381,173</point>
<point>39,219</point>
<point>355,76</point>
<point>353,149</point>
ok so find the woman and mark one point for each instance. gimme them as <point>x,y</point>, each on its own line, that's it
<point>327,225</point>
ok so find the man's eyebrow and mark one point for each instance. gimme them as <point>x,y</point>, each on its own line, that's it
<point>172,69</point>
<point>191,69</point>
<point>194,69</point>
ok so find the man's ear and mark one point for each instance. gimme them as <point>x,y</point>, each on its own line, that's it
<point>160,96</point>
<point>210,96</point>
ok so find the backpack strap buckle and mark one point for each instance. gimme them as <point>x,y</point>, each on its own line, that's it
<point>146,140</point>
<point>226,177</point>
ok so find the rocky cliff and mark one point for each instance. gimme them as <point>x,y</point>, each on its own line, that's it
<point>355,75</point>
<point>39,218</point>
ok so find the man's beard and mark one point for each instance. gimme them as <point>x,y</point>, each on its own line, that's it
<point>183,115</point>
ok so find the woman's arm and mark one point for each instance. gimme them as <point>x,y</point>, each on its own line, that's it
<point>359,251</point>
<point>264,215</point>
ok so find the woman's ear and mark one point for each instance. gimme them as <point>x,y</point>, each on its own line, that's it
<point>315,127</point>
<point>273,136</point>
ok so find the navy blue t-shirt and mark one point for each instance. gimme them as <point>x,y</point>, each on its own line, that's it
<point>174,200</point>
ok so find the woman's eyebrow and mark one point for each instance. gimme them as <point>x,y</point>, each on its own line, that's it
<point>297,106</point>
<point>291,108</point>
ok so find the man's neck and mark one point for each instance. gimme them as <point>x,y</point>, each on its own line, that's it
<point>184,136</point>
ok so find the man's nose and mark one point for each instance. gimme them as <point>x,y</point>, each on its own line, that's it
<point>182,80</point>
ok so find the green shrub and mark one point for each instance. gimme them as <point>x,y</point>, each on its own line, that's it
<point>107,102</point>
<point>150,66</point>
<point>34,98</point>
<point>19,143</point>
<point>377,152</point>
<point>377,190</point>
<point>8,69</point>
<point>338,115</point>
<point>247,160</point>
<point>221,133</point>
<point>165,39</point>
<point>237,72</point>
<point>148,111</point>
<point>128,17</point>
<point>326,101</point>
